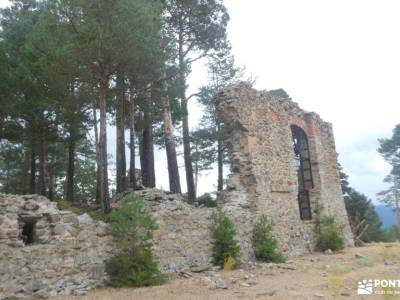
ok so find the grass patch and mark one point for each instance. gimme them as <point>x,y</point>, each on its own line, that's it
<point>365,262</point>
<point>337,267</point>
<point>65,205</point>
<point>335,285</point>
<point>391,255</point>
<point>98,215</point>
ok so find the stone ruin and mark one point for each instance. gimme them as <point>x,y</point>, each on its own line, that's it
<point>283,163</point>
<point>45,251</point>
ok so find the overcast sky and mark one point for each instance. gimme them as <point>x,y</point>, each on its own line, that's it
<point>338,58</point>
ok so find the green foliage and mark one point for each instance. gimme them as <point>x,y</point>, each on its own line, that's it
<point>13,161</point>
<point>204,152</point>
<point>264,244</point>
<point>359,208</point>
<point>202,24</point>
<point>65,205</point>
<point>280,93</point>
<point>330,234</point>
<point>84,183</point>
<point>98,215</point>
<point>389,235</point>
<point>133,227</point>
<point>205,139</point>
<point>206,200</point>
<point>60,58</point>
<point>225,245</point>
<point>390,150</point>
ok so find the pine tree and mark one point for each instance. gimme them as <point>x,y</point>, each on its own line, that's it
<point>110,43</point>
<point>390,150</point>
<point>360,208</point>
<point>196,28</point>
<point>221,72</point>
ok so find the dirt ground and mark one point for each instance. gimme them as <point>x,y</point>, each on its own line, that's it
<point>314,276</point>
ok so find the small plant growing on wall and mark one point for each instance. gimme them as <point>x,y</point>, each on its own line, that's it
<point>133,228</point>
<point>226,248</point>
<point>264,244</point>
<point>330,234</point>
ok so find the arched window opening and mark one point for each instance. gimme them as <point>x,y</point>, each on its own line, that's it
<point>304,173</point>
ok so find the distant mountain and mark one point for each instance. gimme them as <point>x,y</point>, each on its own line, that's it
<point>386,215</point>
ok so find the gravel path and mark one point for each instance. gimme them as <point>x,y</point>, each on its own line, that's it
<point>314,276</point>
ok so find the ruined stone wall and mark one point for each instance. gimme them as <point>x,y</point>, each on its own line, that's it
<point>183,238</point>
<point>68,253</point>
<point>264,179</point>
<point>330,178</point>
<point>45,252</point>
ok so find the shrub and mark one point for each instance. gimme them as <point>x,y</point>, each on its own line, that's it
<point>98,215</point>
<point>264,244</point>
<point>133,227</point>
<point>225,245</point>
<point>206,200</point>
<point>388,235</point>
<point>330,235</point>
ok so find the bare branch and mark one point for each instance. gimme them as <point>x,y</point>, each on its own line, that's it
<point>191,96</point>
<point>197,58</point>
<point>190,47</point>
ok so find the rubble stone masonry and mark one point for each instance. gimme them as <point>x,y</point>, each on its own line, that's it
<point>264,178</point>
<point>45,251</point>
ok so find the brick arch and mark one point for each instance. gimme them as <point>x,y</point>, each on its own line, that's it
<point>308,126</point>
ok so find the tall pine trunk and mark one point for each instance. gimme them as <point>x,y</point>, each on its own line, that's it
<point>51,179</point>
<point>25,172</point>
<point>147,158</point>
<point>71,163</point>
<point>397,208</point>
<point>173,170</point>
<point>220,158</point>
<point>32,180</point>
<point>42,164</point>
<point>104,196</point>
<point>196,171</point>
<point>132,135</point>
<point>1,126</point>
<point>185,127</point>
<point>141,156</point>
<point>120,127</point>
<point>398,221</point>
<point>96,140</point>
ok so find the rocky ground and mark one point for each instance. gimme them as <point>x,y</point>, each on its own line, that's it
<point>314,276</point>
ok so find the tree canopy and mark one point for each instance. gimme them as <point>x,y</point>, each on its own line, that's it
<point>73,67</point>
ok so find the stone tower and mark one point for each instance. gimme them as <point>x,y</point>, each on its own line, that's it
<point>284,165</point>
